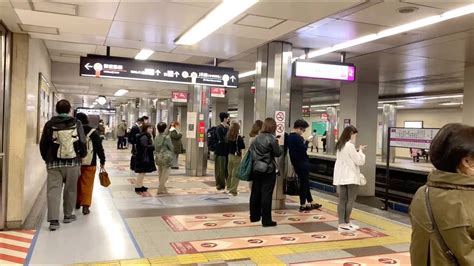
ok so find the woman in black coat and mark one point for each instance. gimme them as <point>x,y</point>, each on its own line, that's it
<point>145,161</point>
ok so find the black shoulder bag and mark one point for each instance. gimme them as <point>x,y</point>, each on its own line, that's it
<point>449,254</point>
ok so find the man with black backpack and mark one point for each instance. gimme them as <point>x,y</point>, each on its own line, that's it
<point>62,146</point>
<point>221,151</point>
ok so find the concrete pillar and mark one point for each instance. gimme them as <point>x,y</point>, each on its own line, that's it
<point>273,89</point>
<point>296,103</point>
<point>359,103</point>
<point>219,105</point>
<point>196,153</point>
<point>132,112</point>
<point>246,111</point>
<point>16,140</point>
<point>468,102</point>
<point>389,116</point>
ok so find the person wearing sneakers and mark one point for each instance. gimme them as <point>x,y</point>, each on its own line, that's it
<point>85,184</point>
<point>347,176</point>
<point>236,144</point>
<point>62,145</point>
<point>300,161</point>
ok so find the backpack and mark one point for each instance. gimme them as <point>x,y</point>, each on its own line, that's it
<point>212,138</point>
<point>90,149</point>
<point>245,167</point>
<point>67,139</point>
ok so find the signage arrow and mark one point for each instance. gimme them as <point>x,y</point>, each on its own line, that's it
<point>233,78</point>
<point>88,66</point>
<point>158,72</point>
<point>176,74</point>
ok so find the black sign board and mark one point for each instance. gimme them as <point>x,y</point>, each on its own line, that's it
<point>126,68</point>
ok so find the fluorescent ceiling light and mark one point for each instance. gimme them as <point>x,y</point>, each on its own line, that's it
<point>325,105</point>
<point>120,92</point>
<point>247,74</point>
<point>462,11</point>
<point>219,16</point>
<point>450,104</point>
<point>144,54</point>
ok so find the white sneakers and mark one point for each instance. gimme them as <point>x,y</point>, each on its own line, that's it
<point>347,228</point>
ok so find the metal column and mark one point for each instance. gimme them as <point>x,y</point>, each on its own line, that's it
<point>273,89</point>
<point>389,115</point>
<point>196,156</point>
<point>331,128</point>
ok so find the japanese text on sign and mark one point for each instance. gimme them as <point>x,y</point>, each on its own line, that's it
<point>418,138</point>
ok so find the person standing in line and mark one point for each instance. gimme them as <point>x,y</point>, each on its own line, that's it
<point>324,140</point>
<point>314,141</point>
<point>264,150</point>
<point>221,152</point>
<point>145,161</point>
<point>176,138</point>
<point>121,132</point>
<point>300,161</point>
<point>62,145</point>
<point>132,139</point>
<point>347,176</point>
<point>85,184</point>
<point>164,156</point>
<point>257,126</point>
<point>101,128</point>
<point>442,210</point>
<point>236,145</point>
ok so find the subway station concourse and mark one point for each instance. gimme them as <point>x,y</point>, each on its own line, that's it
<point>397,70</point>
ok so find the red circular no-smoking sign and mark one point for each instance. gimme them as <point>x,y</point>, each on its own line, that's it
<point>280,117</point>
<point>280,128</point>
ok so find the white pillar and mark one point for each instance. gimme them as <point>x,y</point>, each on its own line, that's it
<point>219,105</point>
<point>296,103</point>
<point>468,101</point>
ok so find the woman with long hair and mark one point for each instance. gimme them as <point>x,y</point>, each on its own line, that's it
<point>176,139</point>
<point>236,144</point>
<point>145,161</point>
<point>264,149</point>
<point>347,176</point>
<point>257,126</point>
<point>441,212</point>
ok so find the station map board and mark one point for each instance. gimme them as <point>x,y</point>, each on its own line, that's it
<point>157,71</point>
<point>417,138</point>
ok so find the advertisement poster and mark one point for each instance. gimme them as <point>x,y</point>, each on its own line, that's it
<point>218,92</point>
<point>191,125</point>
<point>179,97</point>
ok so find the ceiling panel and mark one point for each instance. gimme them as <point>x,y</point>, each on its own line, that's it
<point>9,17</point>
<point>160,14</point>
<point>206,3</point>
<point>66,24</point>
<point>144,33</point>
<point>344,30</point>
<point>220,46</point>
<point>311,41</point>
<point>115,42</point>
<point>302,11</point>
<point>71,37</point>
<point>259,33</point>
<point>65,59</point>
<point>386,14</point>
<point>73,47</point>
<point>446,5</point>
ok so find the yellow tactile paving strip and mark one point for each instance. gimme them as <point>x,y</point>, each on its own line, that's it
<point>396,234</point>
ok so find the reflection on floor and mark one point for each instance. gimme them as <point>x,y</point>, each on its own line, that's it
<point>197,225</point>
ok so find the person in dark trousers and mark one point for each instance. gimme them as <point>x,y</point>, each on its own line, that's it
<point>62,146</point>
<point>121,132</point>
<point>85,184</point>
<point>177,140</point>
<point>145,160</point>
<point>132,139</point>
<point>300,161</point>
<point>324,140</point>
<point>264,149</point>
<point>221,152</point>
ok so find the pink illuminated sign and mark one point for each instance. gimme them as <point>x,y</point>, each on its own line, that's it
<point>325,71</point>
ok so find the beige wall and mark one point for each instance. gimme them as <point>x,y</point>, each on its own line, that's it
<point>26,171</point>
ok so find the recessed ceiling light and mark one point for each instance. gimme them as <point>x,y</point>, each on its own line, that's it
<point>407,10</point>
<point>121,92</point>
<point>144,54</point>
<point>219,16</point>
<point>39,29</point>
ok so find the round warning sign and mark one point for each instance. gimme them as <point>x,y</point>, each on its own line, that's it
<point>280,116</point>
<point>280,128</point>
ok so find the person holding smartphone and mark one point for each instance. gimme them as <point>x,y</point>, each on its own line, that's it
<point>347,176</point>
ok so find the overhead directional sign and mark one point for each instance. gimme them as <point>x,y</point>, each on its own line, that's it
<point>325,71</point>
<point>126,68</point>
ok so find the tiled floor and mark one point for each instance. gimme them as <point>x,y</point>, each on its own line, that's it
<point>196,225</point>
<point>15,246</point>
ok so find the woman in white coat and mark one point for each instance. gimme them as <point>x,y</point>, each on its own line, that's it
<point>347,176</point>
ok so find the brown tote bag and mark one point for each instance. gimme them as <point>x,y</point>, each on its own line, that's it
<point>104,177</point>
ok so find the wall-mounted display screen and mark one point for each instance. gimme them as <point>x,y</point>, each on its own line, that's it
<point>325,71</point>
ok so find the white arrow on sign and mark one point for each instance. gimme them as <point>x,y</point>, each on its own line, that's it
<point>176,74</point>
<point>158,72</point>
<point>233,78</point>
<point>88,66</point>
